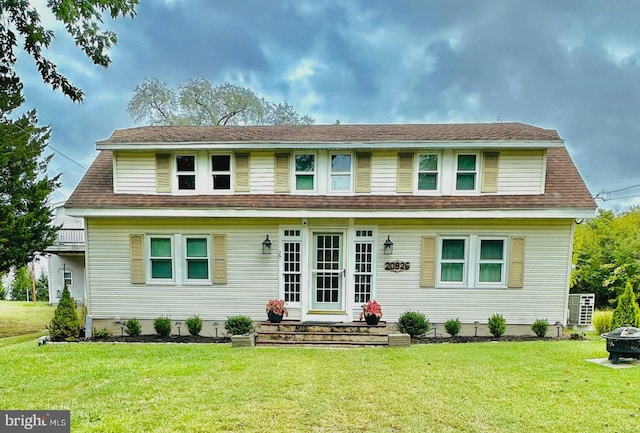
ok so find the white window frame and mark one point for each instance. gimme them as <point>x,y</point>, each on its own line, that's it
<point>212,173</point>
<point>185,259</point>
<point>465,261</point>
<point>177,173</point>
<point>503,262</point>
<point>149,258</point>
<point>313,173</point>
<point>475,172</point>
<point>297,238</point>
<point>364,238</point>
<point>331,173</point>
<point>438,174</point>
<point>64,277</point>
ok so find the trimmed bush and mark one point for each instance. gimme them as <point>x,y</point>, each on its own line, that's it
<point>602,321</point>
<point>65,324</point>
<point>132,327</point>
<point>539,327</point>
<point>627,312</point>
<point>238,325</point>
<point>101,333</point>
<point>194,325</point>
<point>162,325</point>
<point>453,326</point>
<point>497,325</point>
<point>413,323</point>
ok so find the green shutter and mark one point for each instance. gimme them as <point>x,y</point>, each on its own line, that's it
<point>405,172</point>
<point>136,251</point>
<point>363,172</point>
<point>219,259</point>
<point>516,263</point>
<point>428,262</point>
<point>242,172</point>
<point>490,172</point>
<point>281,172</point>
<point>163,173</point>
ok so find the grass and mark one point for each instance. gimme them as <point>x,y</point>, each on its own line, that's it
<point>543,386</point>
<point>19,318</point>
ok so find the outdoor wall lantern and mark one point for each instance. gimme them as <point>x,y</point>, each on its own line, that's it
<point>388,246</point>
<point>266,246</point>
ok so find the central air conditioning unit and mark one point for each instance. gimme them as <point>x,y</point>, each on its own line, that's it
<point>581,307</point>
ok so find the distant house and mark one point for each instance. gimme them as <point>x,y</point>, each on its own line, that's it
<point>454,220</point>
<point>65,264</point>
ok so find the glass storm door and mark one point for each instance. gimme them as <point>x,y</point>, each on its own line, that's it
<point>327,272</point>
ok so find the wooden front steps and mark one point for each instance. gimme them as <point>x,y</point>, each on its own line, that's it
<point>348,334</point>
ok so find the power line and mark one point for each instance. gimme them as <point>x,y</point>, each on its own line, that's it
<point>67,157</point>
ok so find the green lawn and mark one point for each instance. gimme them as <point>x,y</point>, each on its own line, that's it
<point>541,386</point>
<point>17,318</point>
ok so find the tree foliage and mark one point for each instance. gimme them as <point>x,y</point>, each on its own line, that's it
<point>42,287</point>
<point>21,285</point>
<point>627,312</point>
<point>24,189</point>
<point>201,103</point>
<point>606,255</point>
<point>82,19</point>
<point>65,324</point>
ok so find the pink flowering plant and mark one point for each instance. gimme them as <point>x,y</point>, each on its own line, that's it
<point>371,308</point>
<point>276,306</point>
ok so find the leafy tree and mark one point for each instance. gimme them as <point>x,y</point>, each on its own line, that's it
<point>627,312</point>
<point>21,285</point>
<point>24,189</point>
<point>201,103</point>
<point>3,291</point>
<point>606,255</point>
<point>82,19</point>
<point>42,287</point>
<point>65,324</point>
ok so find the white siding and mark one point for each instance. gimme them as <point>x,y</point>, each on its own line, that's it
<point>252,276</point>
<point>521,172</point>
<point>262,175</point>
<point>135,172</point>
<point>384,172</point>
<point>547,252</point>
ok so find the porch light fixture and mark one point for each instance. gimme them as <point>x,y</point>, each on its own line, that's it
<point>266,246</point>
<point>388,246</point>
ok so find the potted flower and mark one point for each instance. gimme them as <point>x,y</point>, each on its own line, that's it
<point>372,312</point>
<point>276,310</point>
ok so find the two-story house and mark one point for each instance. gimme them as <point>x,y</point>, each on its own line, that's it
<point>454,220</point>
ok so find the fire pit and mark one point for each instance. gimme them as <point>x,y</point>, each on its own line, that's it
<point>623,343</point>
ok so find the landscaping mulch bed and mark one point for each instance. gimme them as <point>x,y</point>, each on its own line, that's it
<point>157,339</point>
<point>481,339</point>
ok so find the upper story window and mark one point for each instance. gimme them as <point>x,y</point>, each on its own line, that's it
<point>305,172</point>
<point>341,167</point>
<point>466,172</point>
<point>428,172</point>
<point>221,172</point>
<point>186,172</point>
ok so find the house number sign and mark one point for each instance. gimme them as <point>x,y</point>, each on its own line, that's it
<point>397,266</point>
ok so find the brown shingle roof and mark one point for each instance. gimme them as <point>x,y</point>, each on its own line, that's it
<point>332,133</point>
<point>565,189</point>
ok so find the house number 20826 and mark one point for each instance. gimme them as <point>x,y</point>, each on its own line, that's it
<point>397,266</point>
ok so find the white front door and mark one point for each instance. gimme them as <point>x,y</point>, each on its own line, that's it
<point>327,273</point>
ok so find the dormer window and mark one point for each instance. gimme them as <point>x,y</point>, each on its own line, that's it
<point>221,172</point>
<point>466,172</point>
<point>305,171</point>
<point>340,173</point>
<point>186,172</point>
<point>428,172</point>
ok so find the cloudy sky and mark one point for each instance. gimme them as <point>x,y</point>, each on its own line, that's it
<point>573,66</point>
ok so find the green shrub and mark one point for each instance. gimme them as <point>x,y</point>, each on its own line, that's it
<point>453,326</point>
<point>133,328</point>
<point>413,323</point>
<point>627,312</point>
<point>194,325</point>
<point>497,325</point>
<point>238,325</point>
<point>65,325</point>
<point>101,333</point>
<point>539,327</point>
<point>602,321</point>
<point>162,325</point>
